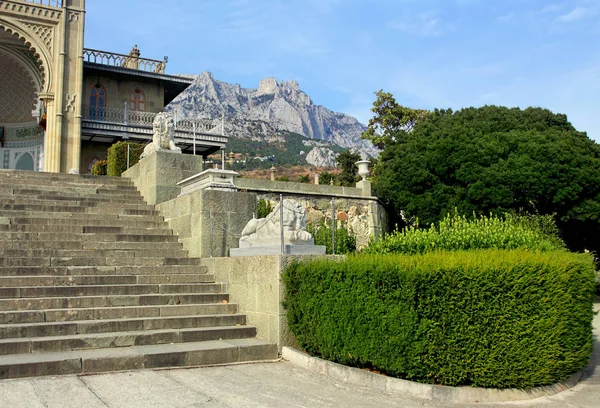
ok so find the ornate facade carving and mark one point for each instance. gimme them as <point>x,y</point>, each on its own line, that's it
<point>33,10</point>
<point>70,102</point>
<point>44,32</point>
<point>74,16</point>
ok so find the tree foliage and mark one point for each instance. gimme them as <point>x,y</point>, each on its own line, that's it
<point>495,159</point>
<point>346,163</point>
<point>392,122</point>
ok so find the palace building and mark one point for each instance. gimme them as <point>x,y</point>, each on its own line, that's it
<point>62,105</point>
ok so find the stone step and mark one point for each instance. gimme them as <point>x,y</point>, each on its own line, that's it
<point>98,290</point>
<point>77,253</point>
<point>108,313</point>
<point>22,176</point>
<point>85,237</point>
<point>97,261</point>
<point>123,339</point>
<point>71,191</point>
<point>91,221</point>
<point>82,302</point>
<point>74,202</point>
<point>122,246</point>
<point>75,280</point>
<point>80,229</point>
<point>137,357</point>
<point>39,215</point>
<point>86,209</point>
<point>101,270</point>
<point>17,331</point>
<point>68,197</point>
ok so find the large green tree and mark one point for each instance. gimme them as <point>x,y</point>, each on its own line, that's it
<point>495,159</point>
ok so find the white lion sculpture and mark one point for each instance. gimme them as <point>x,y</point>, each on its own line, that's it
<point>266,231</point>
<point>163,135</point>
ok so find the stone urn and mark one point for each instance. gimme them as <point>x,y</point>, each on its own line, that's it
<point>363,168</point>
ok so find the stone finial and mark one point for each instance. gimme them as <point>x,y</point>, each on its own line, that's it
<point>317,179</point>
<point>135,52</point>
<point>273,171</point>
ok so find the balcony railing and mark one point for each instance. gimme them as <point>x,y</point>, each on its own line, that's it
<point>123,116</point>
<point>51,3</point>
<point>125,61</point>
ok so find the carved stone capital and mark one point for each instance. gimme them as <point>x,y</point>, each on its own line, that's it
<point>46,96</point>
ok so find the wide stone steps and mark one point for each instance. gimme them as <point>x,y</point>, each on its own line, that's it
<point>123,339</point>
<point>137,357</point>
<point>118,312</point>
<point>92,280</point>
<point>81,302</point>
<point>100,270</point>
<point>23,330</point>
<point>83,280</point>
<point>101,290</point>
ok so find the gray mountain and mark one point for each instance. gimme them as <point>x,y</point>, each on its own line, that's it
<point>264,113</point>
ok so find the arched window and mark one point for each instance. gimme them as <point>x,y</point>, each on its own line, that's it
<point>137,100</point>
<point>97,102</point>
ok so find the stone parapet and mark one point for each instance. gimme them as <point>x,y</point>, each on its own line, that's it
<point>157,175</point>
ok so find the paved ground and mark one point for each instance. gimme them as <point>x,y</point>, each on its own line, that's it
<point>254,385</point>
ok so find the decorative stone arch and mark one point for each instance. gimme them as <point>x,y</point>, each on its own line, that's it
<point>40,50</point>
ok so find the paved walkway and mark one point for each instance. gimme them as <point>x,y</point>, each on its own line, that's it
<point>253,385</point>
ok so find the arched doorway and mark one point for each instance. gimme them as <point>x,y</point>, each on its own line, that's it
<point>21,82</point>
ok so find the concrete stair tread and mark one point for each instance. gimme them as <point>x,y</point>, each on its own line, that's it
<point>113,334</point>
<point>129,334</point>
<point>80,280</point>
<point>157,299</point>
<point>137,357</point>
<point>21,292</point>
<point>77,324</point>
<point>16,317</point>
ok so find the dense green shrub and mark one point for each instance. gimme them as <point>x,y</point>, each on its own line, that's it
<point>490,318</point>
<point>117,157</point>
<point>304,178</point>
<point>263,208</point>
<point>345,242</point>
<point>456,232</point>
<point>99,168</point>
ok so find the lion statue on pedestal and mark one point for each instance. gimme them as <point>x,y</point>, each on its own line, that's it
<point>267,231</point>
<point>163,135</point>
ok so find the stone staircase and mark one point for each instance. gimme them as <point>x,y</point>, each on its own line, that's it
<point>92,280</point>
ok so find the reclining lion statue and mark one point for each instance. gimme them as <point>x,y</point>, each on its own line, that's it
<point>163,135</point>
<point>267,231</point>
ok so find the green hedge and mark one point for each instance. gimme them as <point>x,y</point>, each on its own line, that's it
<point>457,232</point>
<point>489,318</point>
<point>117,157</point>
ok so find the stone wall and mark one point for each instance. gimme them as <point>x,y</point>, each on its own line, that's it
<point>157,175</point>
<point>255,285</point>
<point>195,217</point>
<point>364,215</point>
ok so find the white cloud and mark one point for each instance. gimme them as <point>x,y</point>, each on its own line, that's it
<point>427,24</point>
<point>577,14</point>
<point>507,17</point>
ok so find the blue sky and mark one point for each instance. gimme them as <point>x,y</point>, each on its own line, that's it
<point>428,53</point>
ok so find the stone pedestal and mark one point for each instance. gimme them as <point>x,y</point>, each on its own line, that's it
<point>276,250</point>
<point>365,186</point>
<point>211,179</point>
<point>157,175</point>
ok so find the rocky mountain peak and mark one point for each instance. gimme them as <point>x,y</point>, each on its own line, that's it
<point>276,106</point>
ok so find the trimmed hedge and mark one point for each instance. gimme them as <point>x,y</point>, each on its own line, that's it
<point>117,157</point>
<point>458,233</point>
<point>490,318</point>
